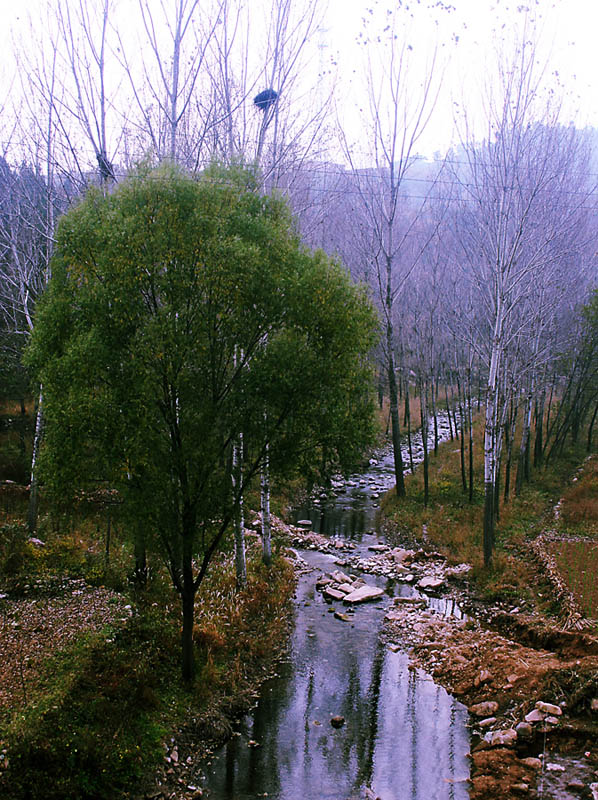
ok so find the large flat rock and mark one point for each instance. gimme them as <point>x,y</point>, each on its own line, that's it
<point>430,584</point>
<point>363,594</point>
<point>334,594</point>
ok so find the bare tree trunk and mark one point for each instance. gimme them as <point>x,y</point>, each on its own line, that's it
<point>188,603</point>
<point>490,447</point>
<point>461,428</point>
<point>394,414</point>
<point>552,388</point>
<point>239,520</point>
<point>408,423</point>
<point>33,483</point>
<point>265,498</point>
<point>424,431</point>
<point>538,439</point>
<point>591,429</point>
<point>510,440</point>
<point>497,489</point>
<point>434,414</point>
<point>452,423</point>
<point>470,431</point>
<point>522,467</point>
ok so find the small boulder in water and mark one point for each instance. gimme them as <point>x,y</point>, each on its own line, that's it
<point>363,594</point>
<point>430,584</point>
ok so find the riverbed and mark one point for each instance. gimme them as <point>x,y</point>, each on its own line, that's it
<point>347,717</point>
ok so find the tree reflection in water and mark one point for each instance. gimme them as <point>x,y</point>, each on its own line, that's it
<point>403,736</point>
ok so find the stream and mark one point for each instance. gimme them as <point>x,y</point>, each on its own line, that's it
<point>403,737</point>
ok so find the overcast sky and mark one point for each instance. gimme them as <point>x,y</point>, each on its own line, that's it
<point>471,34</point>
<point>466,35</point>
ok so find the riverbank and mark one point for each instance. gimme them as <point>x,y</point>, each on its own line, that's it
<point>531,690</point>
<point>92,705</point>
<point>530,637</point>
<point>530,686</point>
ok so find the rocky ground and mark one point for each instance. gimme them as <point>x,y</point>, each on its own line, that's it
<point>524,699</point>
<point>531,687</point>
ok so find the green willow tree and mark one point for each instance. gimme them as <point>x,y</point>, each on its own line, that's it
<point>178,311</point>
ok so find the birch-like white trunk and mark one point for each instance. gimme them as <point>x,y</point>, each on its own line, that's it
<point>239,519</point>
<point>524,445</point>
<point>33,483</point>
<point>266,526</point>
<point>490,451</point>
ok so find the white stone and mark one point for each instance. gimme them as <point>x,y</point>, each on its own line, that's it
<point>333,594</point>
<point>549,708</point>
<point>430,583</point>
<point>485,723</point>
<point>364,593</point>
<point>534,716</point>
<point>340,577</point>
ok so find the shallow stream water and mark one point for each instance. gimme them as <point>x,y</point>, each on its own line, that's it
<point>403,737</point>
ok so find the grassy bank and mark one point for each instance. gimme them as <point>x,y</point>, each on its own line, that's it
<point>576,549</point>
<point>87,717</point>
<point>453,525</point>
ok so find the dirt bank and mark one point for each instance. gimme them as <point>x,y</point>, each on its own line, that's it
<point>530,690</point>
<point>503,666</point>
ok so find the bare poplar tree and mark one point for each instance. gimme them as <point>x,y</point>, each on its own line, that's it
<point>398,114</point>
<point>28,232</point>
<point>168,81</point>
<point>517,211</point>
<point>84,27</point>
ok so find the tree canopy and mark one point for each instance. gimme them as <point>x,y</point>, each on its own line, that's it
<point>182,313</point>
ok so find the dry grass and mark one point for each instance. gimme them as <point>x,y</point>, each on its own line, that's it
<point>579,505</point>
<point>578,564</point>
<point>235,630</point>
<point>12,408</point>
<point>414,410</point>
<point>453,526</point>
<point>576,554</point>
<point>449,522</point>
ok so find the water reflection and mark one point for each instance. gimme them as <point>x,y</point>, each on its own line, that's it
<point>349,509</point>
<point>403,736</point>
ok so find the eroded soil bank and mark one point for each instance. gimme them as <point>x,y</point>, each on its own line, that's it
<point>531,687</point>
<point>530,690</point>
